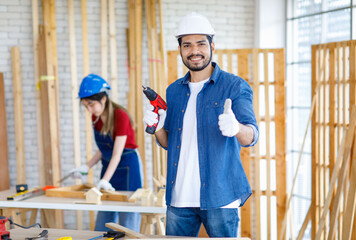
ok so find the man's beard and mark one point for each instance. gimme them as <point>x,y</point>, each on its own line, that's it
<point>193,68</point>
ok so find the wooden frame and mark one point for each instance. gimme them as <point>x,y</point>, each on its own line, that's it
<point>270,86</point>
<point>333,68</point>
<point>78,191</point>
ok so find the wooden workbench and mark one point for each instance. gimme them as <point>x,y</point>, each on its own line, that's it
<point>44,202</point>
<point>54,234</point>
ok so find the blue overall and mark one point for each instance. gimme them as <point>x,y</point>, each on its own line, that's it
<point>127,177</point>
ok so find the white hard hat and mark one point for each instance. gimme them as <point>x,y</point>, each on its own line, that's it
<point>194,23</point>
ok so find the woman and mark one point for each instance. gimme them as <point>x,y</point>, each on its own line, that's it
<point>115,138</point>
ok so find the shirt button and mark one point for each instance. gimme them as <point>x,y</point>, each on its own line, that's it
<point>177,146</point>
<point>179,129</point>
<point>175,164</point>
<point>216,103</point>
<point>182,111</point>
<point>172,182</point>
<point>187,94</point>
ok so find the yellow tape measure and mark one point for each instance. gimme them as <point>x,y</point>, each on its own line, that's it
<point>65,238</point>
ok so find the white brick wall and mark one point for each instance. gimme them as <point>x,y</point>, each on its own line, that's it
<point>233,22</point>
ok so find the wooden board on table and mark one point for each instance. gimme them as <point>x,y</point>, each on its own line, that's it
<point>78,191</point>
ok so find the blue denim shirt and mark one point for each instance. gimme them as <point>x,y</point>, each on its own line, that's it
<point>223,179</point>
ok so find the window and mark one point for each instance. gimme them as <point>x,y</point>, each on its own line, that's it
<point>308,22</point>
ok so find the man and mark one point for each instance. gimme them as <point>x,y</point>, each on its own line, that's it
<point>209,117</point>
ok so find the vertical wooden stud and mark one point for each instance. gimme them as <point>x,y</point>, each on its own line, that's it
<point>18,115</point>
<point>4,156</point>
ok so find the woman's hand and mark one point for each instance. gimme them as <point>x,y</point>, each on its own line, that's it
<point>105,185</point>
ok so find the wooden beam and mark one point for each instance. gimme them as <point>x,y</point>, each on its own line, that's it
<point>246,215</point>
<point>139,101</point>
<point>128,232</point>
<point>4,156</point>
<point>349,214</point>
<point>18,116</point>
<point>49,102</point>
<point>304,225</point>
<point>257,188</point>
<point>35,32</point>
<point>75,103</point>
<point>88,123</point>
<point>280,135</point>
<point>268,147</point>
<point>104,38</point>
<point>113,56</point>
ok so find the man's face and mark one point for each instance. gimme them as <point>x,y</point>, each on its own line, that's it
<point>196,52</point>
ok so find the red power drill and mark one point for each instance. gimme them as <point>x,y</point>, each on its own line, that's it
<point>158,104</point>
<point>3,233</point>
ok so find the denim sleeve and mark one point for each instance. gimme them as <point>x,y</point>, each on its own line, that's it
<point>255,136</point>
<point>243,108</point>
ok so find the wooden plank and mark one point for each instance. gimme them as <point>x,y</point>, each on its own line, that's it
<point>4,156</point>
<point>131,59</point>
<point>280,135</point>
<point>257,188</point>
<point>172,66</point>
<point>128,232</point>
<point>139,109</point>
<point>304,225</point>
<point>75,103</point>
<point>268,147</point>
<point>35,38</point>
<point>18,116</point>
<point>246,215</point>
<point>113,54</point>
<point>352,69</point>
<point>150,26</point>
<point>49,104</point>
<point>349,215</point>
<point>315,139</point>
<point>104,38</point>
<point>49,92</point>
<point>88,124</point>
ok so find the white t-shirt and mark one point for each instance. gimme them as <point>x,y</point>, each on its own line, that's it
<point>186,191</point>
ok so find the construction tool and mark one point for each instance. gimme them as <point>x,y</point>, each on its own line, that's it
<point>111,234</point>
<point>21,187</point>
<point>42,236</point>
<point>157,102</point>
<point>3,233</point>
<point>65,177</point>
<point>27,194</point>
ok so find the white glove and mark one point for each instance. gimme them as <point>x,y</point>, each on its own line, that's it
<point>150,117</point>
<point>80,171</point>
<point>105,185</point>
<point>228,124</point>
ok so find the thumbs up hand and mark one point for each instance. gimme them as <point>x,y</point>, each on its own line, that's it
<point>228,124</point>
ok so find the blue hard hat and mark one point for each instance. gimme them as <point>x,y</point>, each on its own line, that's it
<point>92,84</point>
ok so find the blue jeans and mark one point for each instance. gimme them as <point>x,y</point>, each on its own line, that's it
<point>126,219</point>
<point>219,222</point>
